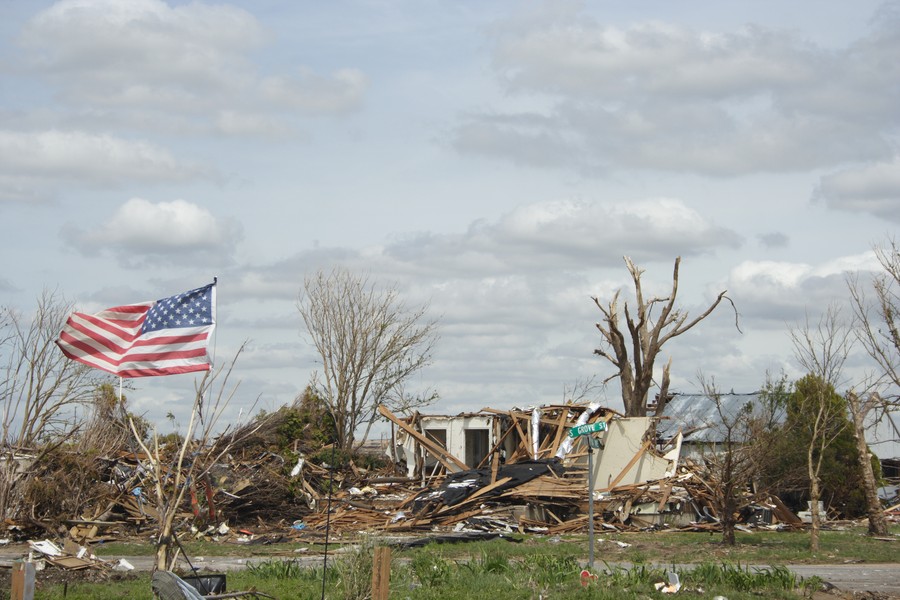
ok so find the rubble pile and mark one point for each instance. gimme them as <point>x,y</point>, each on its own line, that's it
<point>520,470</point>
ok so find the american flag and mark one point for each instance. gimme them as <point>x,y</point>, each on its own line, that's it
<point>165,337</point>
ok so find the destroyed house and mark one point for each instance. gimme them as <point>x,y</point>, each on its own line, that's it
<point>467,437</point>
<point>435,445</point>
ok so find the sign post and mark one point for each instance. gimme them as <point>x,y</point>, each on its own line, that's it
<point>593,443</point>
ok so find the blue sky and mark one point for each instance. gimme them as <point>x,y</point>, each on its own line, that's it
<point>494,159</point>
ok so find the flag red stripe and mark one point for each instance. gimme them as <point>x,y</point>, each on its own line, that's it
<point>115,340</point>
<point>98,337</point>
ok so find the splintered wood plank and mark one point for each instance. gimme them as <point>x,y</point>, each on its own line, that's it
<point>450,462</point>
<point>560,431</point>
<point>666,491</point>
<point>525,445</point>
<point>637,455</point>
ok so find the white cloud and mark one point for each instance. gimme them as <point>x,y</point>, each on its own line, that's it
<point>116,51</point>
<point>570,235</point>
<point>173,232</point>
<point>781,291</point>
<point>193,59</point>
<point>660,96</point>
<point>86,157</point>
<point>874,189</point>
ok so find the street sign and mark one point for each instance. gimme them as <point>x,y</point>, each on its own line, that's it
<point>587,428</point>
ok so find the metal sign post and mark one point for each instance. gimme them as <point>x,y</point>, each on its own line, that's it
<point>593,443</point>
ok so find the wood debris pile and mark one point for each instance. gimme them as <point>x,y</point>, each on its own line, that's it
<point>533,479</point>
<point>492,471</point>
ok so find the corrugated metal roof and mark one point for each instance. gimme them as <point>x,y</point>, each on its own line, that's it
<point>698,418</point>
<point>883,436</point>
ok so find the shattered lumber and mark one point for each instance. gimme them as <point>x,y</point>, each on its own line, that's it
<point>529,476</point>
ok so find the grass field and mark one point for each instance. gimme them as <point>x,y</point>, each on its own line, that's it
<point>627,565</point>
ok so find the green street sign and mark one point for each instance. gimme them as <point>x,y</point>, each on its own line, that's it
<point>587,429</point>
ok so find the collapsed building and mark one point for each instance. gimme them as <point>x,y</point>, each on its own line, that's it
<point>637,479</point>
<point>520,470</point>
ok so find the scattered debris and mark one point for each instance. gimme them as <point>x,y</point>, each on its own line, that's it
<point>451,477</point>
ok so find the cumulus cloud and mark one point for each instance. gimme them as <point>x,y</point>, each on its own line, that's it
<point>571,235</point>
<point>784,291</point>
<point>169,232</point>
<point>662,96</point>
<point>873,189</point>
<point>86,157</point>
<point>193,59</point>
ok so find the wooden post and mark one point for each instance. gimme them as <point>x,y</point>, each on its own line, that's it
<point>23,581</point>
<point>381,573</point>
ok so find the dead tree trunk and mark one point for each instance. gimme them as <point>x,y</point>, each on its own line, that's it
<point>634,355</point>
<point>878,524</point>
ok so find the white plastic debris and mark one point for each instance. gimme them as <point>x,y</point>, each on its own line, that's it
<point>123,565</point>
<point>46,547</point>
<point>298,467</point>
<point>223,529</point>
<point>670,587</point>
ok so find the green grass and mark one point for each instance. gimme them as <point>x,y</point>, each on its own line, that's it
<point>535,566</point>
<point>761,547</point>
<point>430,576</point>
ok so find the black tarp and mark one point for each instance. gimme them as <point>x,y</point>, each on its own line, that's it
<point>456,487</point>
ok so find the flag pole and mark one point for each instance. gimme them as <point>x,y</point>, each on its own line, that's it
<point>215,331</point>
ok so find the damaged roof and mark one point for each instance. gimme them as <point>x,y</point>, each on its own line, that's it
<point>700,420</point>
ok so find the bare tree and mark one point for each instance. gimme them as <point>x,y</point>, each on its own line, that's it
<point>822,351</point>
<point>860,406</point>
<point>876,328</point>
<point>39,388</point>
<point>581,389</point>
<point>197,452</point>
<point>877,320</point>
<point>731,464</point>
<point>39,383</point>
<point>633,355</point>
<point>369,345</point>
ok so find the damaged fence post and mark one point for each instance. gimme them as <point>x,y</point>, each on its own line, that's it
<point>381,573</point>
<point>22,581</point>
